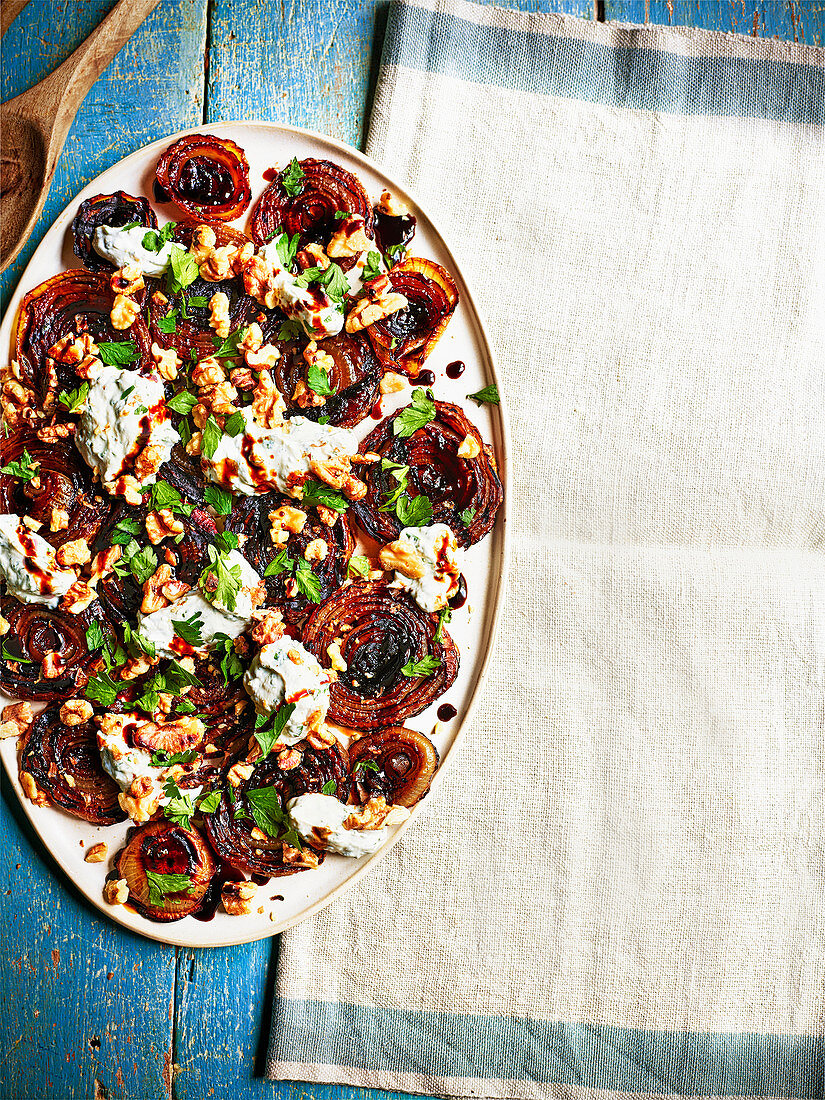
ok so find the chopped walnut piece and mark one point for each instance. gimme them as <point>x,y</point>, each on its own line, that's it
<point>268,405</point>
<point>53,433</point>
<point>219,314</point>
<point>97,853</point>
<point>253,337</point>
<point>392,382</point>
<point>76,552</point>
<point>267,626</point>
<point>300,857</point>
<point>183,733</point>
<point>237,897</point>
<point>140,801</point>
<point>162,525</point>
<point>368,310</point>
<point>78,597</point>
<point>116,891</point>
<point>153,600</point>
<point>286,520</point>
<point>242,378</point>
<point>127,280</point>
<point>124,312</point>
<point>289,758</point>
<point>349,239</point>
<point>31,790</point>
<point>265,357</point>
<point>129,488</point>
<point>327,516</point>
<point>313,255</point>
<point>203,242</point>
<point>137,666</point>
<point>59,519</point>
<point>104,562</point>
<point>148,463</point>
<point>4,626</point>
<point>316,550</point>
<point>469,447</point>
<point>391,206</point>
<point>399,557</point>
<point>208,372</point>
<point>52,667</point>
<point>16,718</point>
<point>238,774</point>
<point>74,712</point>
<point>336,659</point>
<point>167,361</point>
<point>375,814</point>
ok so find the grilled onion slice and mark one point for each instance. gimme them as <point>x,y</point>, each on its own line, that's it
<point>75,302</point>
<point>380,630</point>
<point>63,482</point>
<point>35,631</point>
<point>354,378</point>
<point>403,340</point>
<point>250,517</point>
<point>325,189</point>
<point>160,850</point>
<point>64,763</point>
<point>116,210</point>
<point>465,493</point>
<point>402,765</point>
<point>206,176</point>
<point>231,835</point>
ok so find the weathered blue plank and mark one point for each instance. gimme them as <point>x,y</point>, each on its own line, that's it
<point>154,86</point>
<point>87,1007</point>
<point>800,21</point>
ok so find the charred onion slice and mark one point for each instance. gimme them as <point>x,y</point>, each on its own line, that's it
<point>231,836</point>
<point>116,210</point>
<point>206,176</point>
<point>355,378</point>
<point>186,475</point>
<point>403,340</point>
<point>160,848</point>
<point>63,482</point>
<point>250,517</point>
<point>451,484</point>
<point>325,189</point>
<point>74,301</point>
<point>387,630</point>
<point>406,762</point>
<point>51,752</point>
<point>35,631</point>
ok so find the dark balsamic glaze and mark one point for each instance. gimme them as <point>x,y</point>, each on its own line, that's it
<point>206,182</point>
<point>455,370</point>
<point>212,897</point>
<point>375,411</point>
<point>392,231</point>
<point>460,598</point>
<point>160,193</point>
<point>270,174</point>
<point>446,711</point>
<point>426,378</point>
<point>261,880</point>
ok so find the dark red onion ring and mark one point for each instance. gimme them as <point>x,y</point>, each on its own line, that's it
<point>405,763</point>
<point>403,340</point>
<point>450,483</point>
<point>379,630</point>
<point>166,849</point>
<point>51,751</point>
<point>207,176</point>
<point>326,188</point>
<point>355,378</point>
<point>117,210</point>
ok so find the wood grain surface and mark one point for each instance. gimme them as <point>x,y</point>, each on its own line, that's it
<point>92,1012</point>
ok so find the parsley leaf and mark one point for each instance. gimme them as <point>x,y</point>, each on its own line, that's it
<point>210,802</point>
<point>339,215</point>
<point>366,766</point>
<point>318,380</point>
<point>125,530</point>
<point>394,252</point>
<point>316,493</point>
<point>292,178</point>
<point>211,437</point>
<point>161,759</point>
<point>266,810</point>
<point>143,564</point>
<point>414,512</point>
<point>136,643</point>
<point>467,516</point>
<point>399,472</point>
<point>226,540</point>
<point>281,563</point>
<point>444,617</point>
<point>235,424</point>
<point>168,324</point>
<point>183,270</point>
<point>198,301</point>
<point>308,582</point>
<point>190,630</point>
<point>94,635</point>
<point>231,665</point>
<point>102,688</point>
<point>487,396</point>
<point>24,469</point>
<point>416,415</point>
<point>74,399</point>
<point>165,495</point>
<point>118,355</point>
<point>228,578</point>
<point>286,247</point>
<point>372,268</point>
<point>219,498</point>
<point>160,886</point>
<point>228,348</point>
<point>335,283</point>
<point>330,787</point>
<point>359,565</point>
<point>182,402</point>
<point>425,667</point>
<point>155,239</point>
<point>290,330</point>
<point>266,738</point>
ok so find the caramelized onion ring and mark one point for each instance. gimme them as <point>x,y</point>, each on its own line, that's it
<point>63,482</point>
<point>116,210</point>
<point>35,631</point>
<point>231,836</point>
<point>206,176</point>
<point>325,189</point>
<point>250,516</point>
<point>403,340</point>
<point>166,849</point>
<point>388,630</point>
<point>406,763</point>
<point>73,301</point>
<point>51,751</point>
<point>355,377</point>
<point>451,484</point>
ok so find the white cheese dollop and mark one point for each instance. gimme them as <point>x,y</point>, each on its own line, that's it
<point>285,672</point>
<point>125,762</point>
<point>120,406</point>
<point>311,308</point>
<point>319,820</point>
<point>27,565</point>
<point>125,246</point>
<point>438,551</point>
<point>262,459</point>
<point>216,617</point>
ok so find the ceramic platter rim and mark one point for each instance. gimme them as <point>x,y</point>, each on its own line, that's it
<point>133,174</point>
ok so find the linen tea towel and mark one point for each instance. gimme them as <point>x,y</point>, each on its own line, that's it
<point>619,884</point>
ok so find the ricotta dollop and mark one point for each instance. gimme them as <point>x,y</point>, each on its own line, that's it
<point>319,819</point>
<point>157,627</point>
<point>28,566</point>
<point>125,246</point>
<point>123,414</point>
<point>260,459</point>
<point>441,557</point>
<point>311,308</point>
<point>285,672</point>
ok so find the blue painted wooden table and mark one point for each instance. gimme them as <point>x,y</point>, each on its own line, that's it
<point>92,1011</point>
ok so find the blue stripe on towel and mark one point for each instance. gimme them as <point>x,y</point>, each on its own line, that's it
<point>643,79</point>
<point>441,1044</point>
